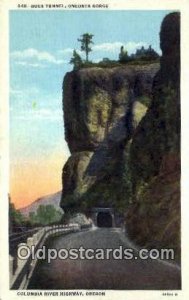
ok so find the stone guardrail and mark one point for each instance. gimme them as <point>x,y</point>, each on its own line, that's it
<point>21,270</point>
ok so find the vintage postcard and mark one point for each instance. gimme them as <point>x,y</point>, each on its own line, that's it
<point>94,134</point>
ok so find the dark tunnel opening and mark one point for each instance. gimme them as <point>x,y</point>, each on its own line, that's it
<point>104,219</point>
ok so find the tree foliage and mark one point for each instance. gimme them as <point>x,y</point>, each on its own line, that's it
<point>76,60</point>
<point>86,41</point>
<point>145,54</point>
<point>46,214</point>
<point>123,56</point>
<point>140,55</point>
<point>15,216</point>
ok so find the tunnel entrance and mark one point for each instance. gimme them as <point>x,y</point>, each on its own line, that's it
<point>104,219</point>
<point>103,216</point>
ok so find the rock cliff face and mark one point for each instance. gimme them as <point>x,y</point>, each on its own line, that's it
<point>122,126</point>
<point>102,108</point>
<point>154,217</point>
<point>95,99</point>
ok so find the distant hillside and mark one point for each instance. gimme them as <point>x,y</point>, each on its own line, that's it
<point>53,199</point>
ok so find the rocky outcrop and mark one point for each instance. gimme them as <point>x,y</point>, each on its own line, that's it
<point>95,99</point>
<point>102,109</point>
<point>153,218</point>
<point>125,147</point>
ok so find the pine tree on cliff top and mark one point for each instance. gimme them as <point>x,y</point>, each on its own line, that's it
<point>86,41</point>
<point>76,60</point>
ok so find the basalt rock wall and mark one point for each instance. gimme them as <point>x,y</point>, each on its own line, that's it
<point>102,109</point>
<point>153,218</point>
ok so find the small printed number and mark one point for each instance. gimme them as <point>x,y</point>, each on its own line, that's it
<point>22,6</point>
<point>169,294</point>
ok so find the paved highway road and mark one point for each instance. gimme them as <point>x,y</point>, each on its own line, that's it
<point>102,274</point>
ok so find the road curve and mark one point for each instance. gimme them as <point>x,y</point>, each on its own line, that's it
<point>112,274</point>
